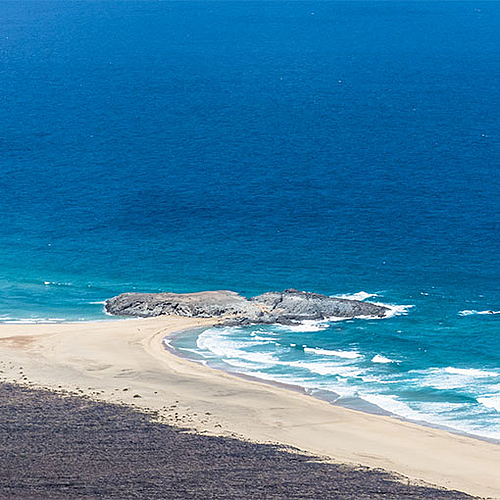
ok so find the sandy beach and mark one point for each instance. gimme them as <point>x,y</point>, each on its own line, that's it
<point>126,362</point>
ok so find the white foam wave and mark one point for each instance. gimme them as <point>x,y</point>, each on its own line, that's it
<point>494,388</point>
<point>56,283</point>
<point>284,379</point>
<point>240,363</point>
<point>471,372</point>
<point>338,371</point>
<point>470,312</point>
<point>259,331</point>
<point>454,378</point>
<point>98,302</point>
<point>355,296</point>
<point>234,352</point>
<point>194,351</point>
<point>382,359</point>
<point>395,309</point>
<point>393,405</point>
<point>328,352</point>
<point>263,359</point>
<point>327,368</point>
<point>263,339</point>
<point>306,326</point>
<point>217,342</point>
<point>492,402</point>
<point>31,321</point>
<point>333,319</point>
<point>434,413</point>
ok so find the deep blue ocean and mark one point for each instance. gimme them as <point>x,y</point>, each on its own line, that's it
<point>335,147</point>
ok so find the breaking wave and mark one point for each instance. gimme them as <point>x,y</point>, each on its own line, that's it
<point>471,312</point>
<point>382,359</point>
<point>346,360</point>
<point>356,296</point>
<point>327,352</point>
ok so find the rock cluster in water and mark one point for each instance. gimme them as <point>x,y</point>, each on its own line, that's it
<point>285,307</point>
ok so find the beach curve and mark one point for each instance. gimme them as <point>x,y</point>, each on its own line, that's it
<point>125,362</point>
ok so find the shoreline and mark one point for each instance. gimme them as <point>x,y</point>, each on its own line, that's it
<point>126,362</point>
<point>316,394</point>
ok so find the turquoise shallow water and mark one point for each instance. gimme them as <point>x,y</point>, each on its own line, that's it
<point>328,146</point>
<point>400,366</point>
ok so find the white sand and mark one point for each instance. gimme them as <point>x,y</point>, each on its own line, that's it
<point>102,359</point>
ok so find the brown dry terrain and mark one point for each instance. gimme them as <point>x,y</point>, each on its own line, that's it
<point>56,446</point>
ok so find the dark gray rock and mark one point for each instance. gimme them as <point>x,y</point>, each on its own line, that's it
<point>293,304</point>
<point>284,307</point>
<point>197,305</point>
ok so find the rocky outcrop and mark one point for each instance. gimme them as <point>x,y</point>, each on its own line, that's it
<point>284,307</point>
<point>293,304</point>
<point>196,305</point>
